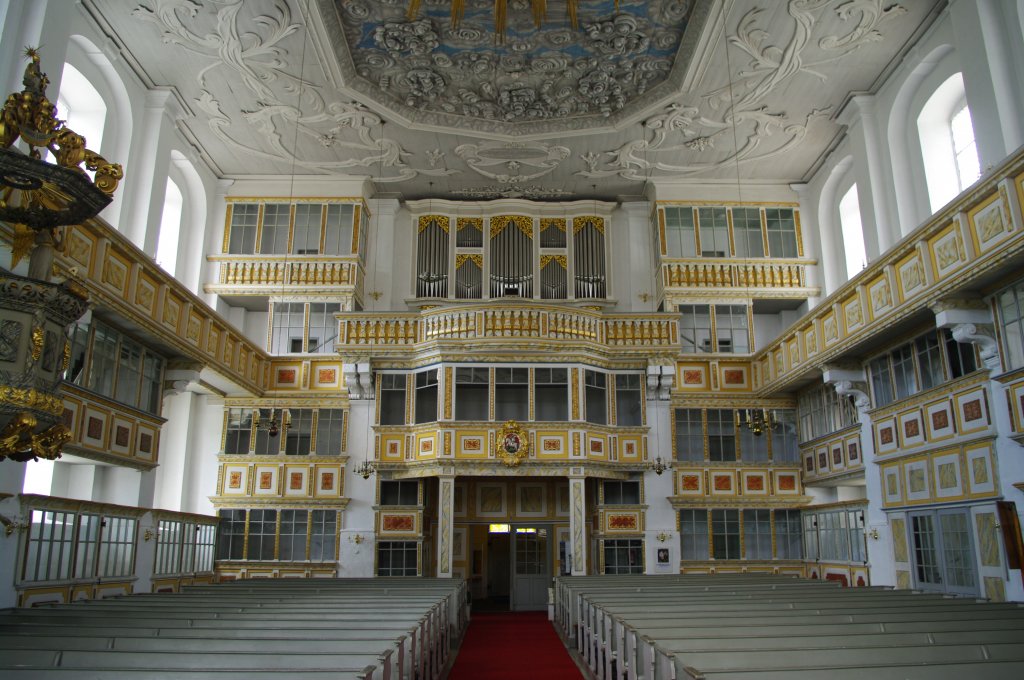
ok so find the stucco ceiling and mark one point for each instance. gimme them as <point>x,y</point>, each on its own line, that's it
<point>663,89</point>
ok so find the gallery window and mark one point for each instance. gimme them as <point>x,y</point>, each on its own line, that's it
<point>624,556</point>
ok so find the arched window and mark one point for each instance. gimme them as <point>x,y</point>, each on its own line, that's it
<point>853,232</point>
<point>947,142</point>
<point>170,228</point>
<point>80,105</point>
<point>965,149</point>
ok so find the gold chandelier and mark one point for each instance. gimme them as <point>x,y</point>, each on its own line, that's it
<point>537,7</point>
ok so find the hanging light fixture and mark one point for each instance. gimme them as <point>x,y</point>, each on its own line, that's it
<point>659,466</point>
<point>759,420</point>
<point>366,468</point>
<point>271,426</point>
<point>538,9</point>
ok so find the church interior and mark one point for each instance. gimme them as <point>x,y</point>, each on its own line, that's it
<point>500,294</point>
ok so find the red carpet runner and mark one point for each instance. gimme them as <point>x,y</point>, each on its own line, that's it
<point>520,645</point>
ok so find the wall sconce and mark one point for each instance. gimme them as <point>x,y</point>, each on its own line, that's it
<point>873,533</point>
<point>12,525</point>
<point>662,537</point>
<point>148,535</point>
<point>357,539</point>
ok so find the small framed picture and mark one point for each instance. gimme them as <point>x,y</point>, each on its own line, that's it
<point>662,555</point>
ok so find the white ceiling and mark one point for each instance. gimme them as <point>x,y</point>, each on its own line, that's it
<point>276,87</point>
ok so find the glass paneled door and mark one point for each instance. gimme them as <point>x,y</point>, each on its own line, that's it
<point>943,551</point>
<point>531,576</point>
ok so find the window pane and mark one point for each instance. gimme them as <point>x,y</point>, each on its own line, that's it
<point>781,225</point>
<point>292,545</point>
<point>628,400</point>
<point>306,235</point>
<point>471,393</point>
<point>274,238</point>
<point>323,538</point>
<point>262,529</point>
<point>725,534</point>
<point>231,536</point>
<point>695,328</point>
<point>338,233</point>
<point>693,534</point>
<point>746,223</point>
<point>689,434</point>
<point>392,398</point>
<point>299,436</point>
<point>714,232</point>
<point>731,329</point>
<point>721,434</point>
<point>511,394</point>
<point>329,429</point>
<point>757,535</point>
<point>323,327</point>
<point>679,232</point>
<point>596,397</point>
<point>288,327</point>
<point>551,394</point>
<point>426,396</point>
<point>242,239</point>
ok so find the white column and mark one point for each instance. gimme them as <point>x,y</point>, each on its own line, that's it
<point>990,79</point>
<point>852,382</point>
<point>174,440</point>
<point>810,235</point>
<point>10,544</point>
<point>146,179</point>
<point>145,553</point>
<point>445,525</point>
<point>634,268</point>
<point>384,248</point>
<point>577,525</point>
<point>868,170</point>
<point>45,24</point>
<point>216,212</point>
<point>661,517</point>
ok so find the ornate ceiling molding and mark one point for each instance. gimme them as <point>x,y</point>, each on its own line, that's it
<point>274,102</point>
<point>690,129</point>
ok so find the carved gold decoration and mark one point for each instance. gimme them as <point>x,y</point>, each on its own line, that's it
<point>579,222</point>
<point>442,221</point>
<point>18,443</point>
<point>512,443</point>
<point>460,260</point>
<point>560,259</point>
<point>474,222</point>
<point>45,202</point>
<point>67,356</point>
<point>522,222</point>
<point>30,398</point>
<point>38,336</point>
<point>556,222</point>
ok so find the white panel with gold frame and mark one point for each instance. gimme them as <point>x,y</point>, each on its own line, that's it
<point>235,481</point>
<point>916,474</point>
<point>938,420</point>
<point>981,479</point>
<point>946,471</point>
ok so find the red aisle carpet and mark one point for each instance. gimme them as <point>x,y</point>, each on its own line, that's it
<point>521,645</point>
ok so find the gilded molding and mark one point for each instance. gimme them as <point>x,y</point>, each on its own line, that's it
<point>578,223</point>
<point>442,221</point>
